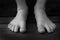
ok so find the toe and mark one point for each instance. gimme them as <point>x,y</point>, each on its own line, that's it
<point>51,28</point>
<point>15,28</point>
<point>9,25</point>
<point>41,29</point>
<point>48,28</point>
<point>12,28</point>
<point>22,29</point>
<point>54,26</point>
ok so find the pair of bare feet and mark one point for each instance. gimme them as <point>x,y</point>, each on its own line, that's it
<point>42,21</point>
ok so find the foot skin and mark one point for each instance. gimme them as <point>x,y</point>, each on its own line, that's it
<point>44,22</point>
<point>16,23</point>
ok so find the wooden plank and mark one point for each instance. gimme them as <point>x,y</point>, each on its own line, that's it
<point>5,34</point>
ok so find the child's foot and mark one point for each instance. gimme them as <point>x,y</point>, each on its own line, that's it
<point>43,22</point>
<point>17,22</point>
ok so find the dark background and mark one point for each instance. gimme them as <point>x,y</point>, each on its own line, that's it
<point>8,12</point>
<point>8,8</point>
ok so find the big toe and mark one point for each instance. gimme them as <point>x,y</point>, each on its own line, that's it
<point>22,29</point>
<point>41,29</point>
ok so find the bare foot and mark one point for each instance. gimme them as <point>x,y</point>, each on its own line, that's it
<point>44,22</point>
<point>17,22</point>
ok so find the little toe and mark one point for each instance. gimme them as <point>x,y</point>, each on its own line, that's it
<point>54,26</point>
<point>15,28</point>
<point>51,28</point>
<point>10,26</point>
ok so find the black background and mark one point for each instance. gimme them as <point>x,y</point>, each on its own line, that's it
<point>8,8</point>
